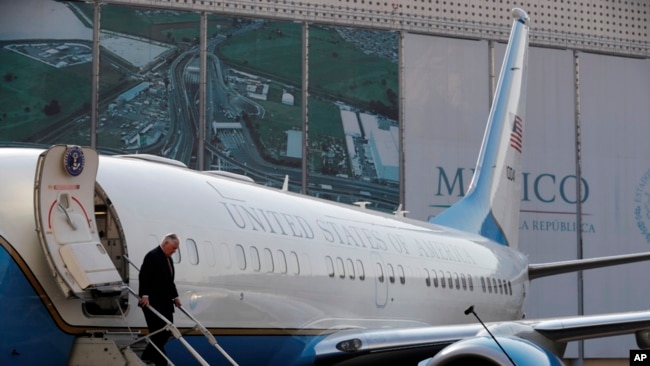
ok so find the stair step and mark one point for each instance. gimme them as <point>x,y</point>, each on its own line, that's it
<point>132,358</point>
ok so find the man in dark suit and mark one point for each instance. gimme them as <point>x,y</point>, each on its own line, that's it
<point>157,289</point>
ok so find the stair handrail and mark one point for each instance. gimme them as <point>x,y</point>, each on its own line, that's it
<point>169,326</point>
<point>148,339</point>
<point>206,333</point>
<point>209,336</point>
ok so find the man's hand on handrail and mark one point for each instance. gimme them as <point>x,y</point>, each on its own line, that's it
<point>144,301</point>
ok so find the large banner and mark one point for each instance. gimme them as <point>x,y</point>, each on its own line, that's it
<point>615,105</point>
<point>548,221</point>
<point>446,103</point>
<point>251,123</point>
<point>443,76</point>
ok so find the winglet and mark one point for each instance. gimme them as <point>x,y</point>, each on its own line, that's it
<point>491,206</point>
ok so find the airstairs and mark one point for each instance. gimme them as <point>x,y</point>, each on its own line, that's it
<point>125,348</point>
<point>128,348</point>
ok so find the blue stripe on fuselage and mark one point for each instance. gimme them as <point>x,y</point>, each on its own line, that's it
<point>30,336</point>
<point>269,350</point>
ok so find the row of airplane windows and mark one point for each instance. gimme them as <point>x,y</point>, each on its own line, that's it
<point>265,261</point>
<point>437,279</point>
<point>283,263</point>
<point>347,268</point>
<point>280,262</point>
<point>488,284</point>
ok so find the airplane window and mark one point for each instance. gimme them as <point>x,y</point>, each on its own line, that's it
<point>463,280</point>
<point>282,262</point>
<point>380,273</point>
<point>402,276</point>
<point>268,260</point>
<point>489,284</point>
<point>192,251</point>
<point>391,273</point>
<point>255,259</point>
<point>510,287</point>
<point>340,267</point>
<point>442,279</point>
<point>294,264</point>
<point>500,286</point>
<point>427,277</point>
<point>483,283</point>
<point>330,266</point>
<point>494,284</point>
<point>449,281</point>
<point>457,281</point>
<point>435,278</point>
<point>350,268</point>
<point>362,273</point>
<point>241,256</point>
<point>176,257</point>
<point>471,283</point>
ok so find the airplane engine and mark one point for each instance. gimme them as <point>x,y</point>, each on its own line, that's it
<point>484,350</point>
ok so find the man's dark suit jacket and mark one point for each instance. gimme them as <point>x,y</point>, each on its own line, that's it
<point>157,281</point>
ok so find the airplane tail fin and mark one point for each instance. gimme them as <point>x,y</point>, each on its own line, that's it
<point>491,206</point>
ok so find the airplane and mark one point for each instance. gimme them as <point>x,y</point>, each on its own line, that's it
<point>277,277</point>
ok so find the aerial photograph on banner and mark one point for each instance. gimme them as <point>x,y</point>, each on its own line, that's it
<point>149,101</point>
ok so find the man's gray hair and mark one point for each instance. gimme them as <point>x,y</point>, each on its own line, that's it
<point>171,237</point>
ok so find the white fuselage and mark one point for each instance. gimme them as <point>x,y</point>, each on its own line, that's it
<point>258,258</point>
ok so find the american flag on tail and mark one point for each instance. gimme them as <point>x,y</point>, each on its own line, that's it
<point>516,135</point>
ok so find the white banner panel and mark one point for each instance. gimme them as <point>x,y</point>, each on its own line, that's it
<point>615,106</point>
<point>440,156</point>
<point>548,210</point>
<point>445,114</point>
<point>446,100</point>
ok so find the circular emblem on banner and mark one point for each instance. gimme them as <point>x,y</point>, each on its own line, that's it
<point>73,160</point>
<point>642,206</point>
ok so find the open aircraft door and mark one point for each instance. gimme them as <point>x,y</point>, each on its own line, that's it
<point>64,189</point>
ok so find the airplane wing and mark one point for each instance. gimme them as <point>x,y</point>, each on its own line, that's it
<point>409,346</point>
<point>593,326</point>
<point>554,268</point>
<point>510,341</point>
